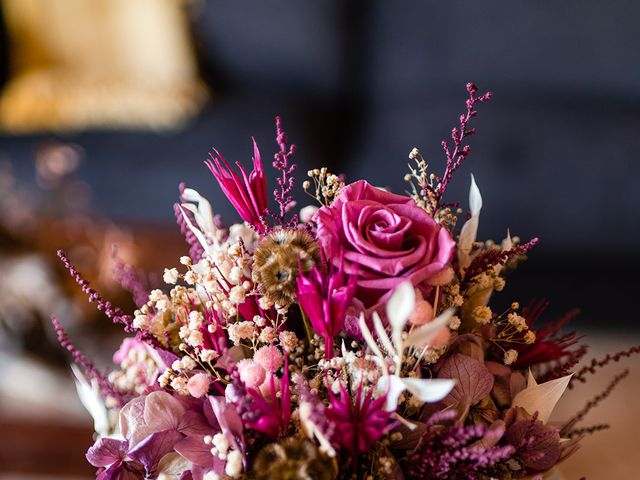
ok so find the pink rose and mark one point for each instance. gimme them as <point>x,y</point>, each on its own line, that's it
<point>386,239</point>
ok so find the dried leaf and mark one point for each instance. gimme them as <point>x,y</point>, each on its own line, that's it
<point>541,398</point>
<point>470,228</point>
<point>474,381</point>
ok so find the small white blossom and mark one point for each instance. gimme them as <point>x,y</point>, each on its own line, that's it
<point>510,356</point>
<point>234,464</point>
<point>171,275</point>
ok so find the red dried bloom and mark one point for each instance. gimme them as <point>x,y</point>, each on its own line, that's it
<point>247,193</point>
<point>550,345</point>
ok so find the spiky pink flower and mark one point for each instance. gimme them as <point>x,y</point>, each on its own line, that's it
<point>357,423</point>
<point>325,297</point>
<point>247,193</point>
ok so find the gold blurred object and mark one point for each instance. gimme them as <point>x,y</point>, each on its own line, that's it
<point>78,64</point>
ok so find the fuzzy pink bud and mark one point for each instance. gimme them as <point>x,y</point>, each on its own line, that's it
<point>422,313</point>
<point>443,277</point>
<point>441,338</point>
<point>307,213</point>
<point>198,385</point>
<point>269,358</point>
<point>251,373</point>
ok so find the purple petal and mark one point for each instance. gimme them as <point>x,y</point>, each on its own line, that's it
<point>228,419</point>
<point>162,411</point>
<point>107,451</point>
<point>149,451</point>
<point>195,450</point>
<point>114,472</point>
<point>194,423</point>
<point>131,417</point>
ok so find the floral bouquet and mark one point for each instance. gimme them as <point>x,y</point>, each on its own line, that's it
<point>352,341</point>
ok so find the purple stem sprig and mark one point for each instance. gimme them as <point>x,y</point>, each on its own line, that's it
<point>114,313</point>
<point>457,151</point>
<point>131,280</point>
<point>106,388</point>
<point>282,163</point>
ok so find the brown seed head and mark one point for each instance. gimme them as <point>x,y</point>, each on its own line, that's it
<point>293,458</point>
<point>275,263</point>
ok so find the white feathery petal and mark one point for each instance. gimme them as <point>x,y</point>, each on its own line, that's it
<point>205,212</point>
<point>392,386</point>
<point>91,398</point>
<point>507,243</point>
<point>201,238</point>
<point>423,334</point>
<point>399,307</point>
<point>366,333</point>
<point>470,228</point>
<point>382,335</point>
<point>475,199</point>
<point>429,389</point>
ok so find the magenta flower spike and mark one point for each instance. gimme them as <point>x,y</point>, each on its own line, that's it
<point>325,299</point>
<point>247,193</point>
<point>359,422</point>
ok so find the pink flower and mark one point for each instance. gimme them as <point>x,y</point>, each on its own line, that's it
<point>269,358</point>
<point>386,239</point>
<point>360,422</point>
<point>198,385</point>
<point>251,373</point>
<point>248,194</point>
<point>325,297</point>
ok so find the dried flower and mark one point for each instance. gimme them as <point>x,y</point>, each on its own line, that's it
<point>171,275</point>
<point>248,194</point>
<point>293,458</point>
<point>384,238</point>
<point>269,358</point>
<point>359,422</point>
<point>325,297</point>
<point>482,314</point>
<point>251,373</point>
<point>510,356</point>
<point>276,261</point>
<point>198,385</point>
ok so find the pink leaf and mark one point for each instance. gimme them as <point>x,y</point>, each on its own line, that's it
<point>474,381</point>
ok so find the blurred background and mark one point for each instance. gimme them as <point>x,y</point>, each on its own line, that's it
<point>107,105</point>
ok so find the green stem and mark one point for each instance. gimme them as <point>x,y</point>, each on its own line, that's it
<point>307,326</point>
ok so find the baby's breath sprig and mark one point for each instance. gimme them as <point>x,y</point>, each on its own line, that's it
<point>424,191</point>
<point>326,185</point>
<point>432,186</point>
<point>511,329</point>
<point>422,184</point>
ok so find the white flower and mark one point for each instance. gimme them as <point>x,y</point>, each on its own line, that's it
<point>510,356</point>
<point>91,398</point>
<point>470,228</point>
<point>399,308</point>
<point>234,464</point>
<point>171,275</point>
